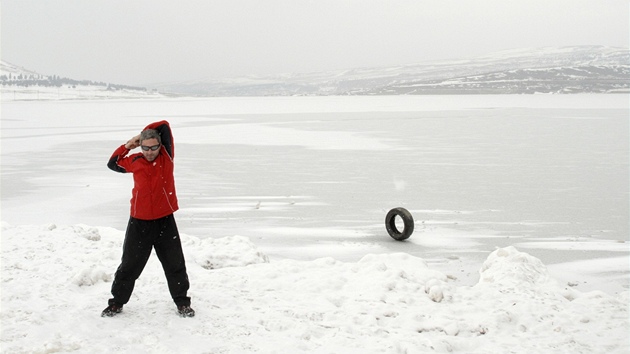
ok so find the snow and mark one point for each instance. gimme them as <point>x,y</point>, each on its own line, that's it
<point>77,92</point>
<point>284,235</point>
<point>53,275</point>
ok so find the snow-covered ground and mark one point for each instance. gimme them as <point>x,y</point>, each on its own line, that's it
<point>76,92</point>
<point>520,242</point>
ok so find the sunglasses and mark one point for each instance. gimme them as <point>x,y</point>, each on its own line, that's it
<point>152,148</point>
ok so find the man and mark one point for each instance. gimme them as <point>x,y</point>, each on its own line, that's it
<point>151,224</point>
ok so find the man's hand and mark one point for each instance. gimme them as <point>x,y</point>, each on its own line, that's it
<point>133,142</point>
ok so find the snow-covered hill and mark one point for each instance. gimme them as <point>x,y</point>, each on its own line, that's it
<point>18,83</point>
<point>596,69</point>
<point>578,69</point>
<point>9,71</point>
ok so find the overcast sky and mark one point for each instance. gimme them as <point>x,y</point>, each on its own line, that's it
<point>148,41</point>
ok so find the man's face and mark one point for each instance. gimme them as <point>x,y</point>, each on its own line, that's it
<point>147,147</point>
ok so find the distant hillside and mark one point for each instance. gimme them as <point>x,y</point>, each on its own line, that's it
<point>580,69</point>
<point>21,83</point>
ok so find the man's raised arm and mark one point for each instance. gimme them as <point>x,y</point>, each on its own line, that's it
<point>165,135</point>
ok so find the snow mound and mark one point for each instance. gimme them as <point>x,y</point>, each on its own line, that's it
<point>56,280</point>
<point>508,267</point>
<point>232,251</point>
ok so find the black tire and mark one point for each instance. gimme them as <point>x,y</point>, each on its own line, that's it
<point>390,224</point>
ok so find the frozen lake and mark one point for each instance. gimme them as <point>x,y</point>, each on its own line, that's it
<point>311,177</point>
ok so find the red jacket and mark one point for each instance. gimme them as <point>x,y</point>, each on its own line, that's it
<point>153,195</point>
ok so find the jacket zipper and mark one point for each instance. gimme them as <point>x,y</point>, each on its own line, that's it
<point>135,205</point>
<point>167,199</point>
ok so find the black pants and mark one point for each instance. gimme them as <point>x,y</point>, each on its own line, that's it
<point>141,237</point>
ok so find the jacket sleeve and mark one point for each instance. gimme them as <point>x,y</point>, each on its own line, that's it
<point>117,160</point>
<point>166,135</point>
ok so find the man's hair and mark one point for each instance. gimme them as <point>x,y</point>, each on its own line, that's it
<point>150,134</point>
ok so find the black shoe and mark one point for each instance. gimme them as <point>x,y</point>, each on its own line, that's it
<point>185,311</point>
<point>111,310</point>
